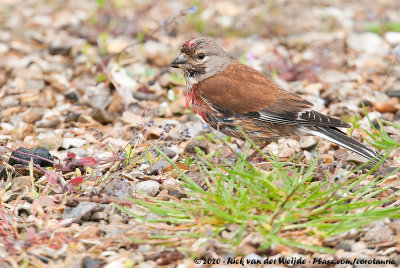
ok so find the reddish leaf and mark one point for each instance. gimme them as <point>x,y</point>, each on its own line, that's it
<point>79,163</point>
<point>75,181</point>
<point>87,161</point>
<point>71,155</point>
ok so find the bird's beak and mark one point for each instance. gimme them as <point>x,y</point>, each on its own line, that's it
<point>180,62</point>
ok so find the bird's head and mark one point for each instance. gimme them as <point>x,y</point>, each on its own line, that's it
<point>201,58</point>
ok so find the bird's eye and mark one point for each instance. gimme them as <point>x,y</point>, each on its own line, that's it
<point>201,56</point>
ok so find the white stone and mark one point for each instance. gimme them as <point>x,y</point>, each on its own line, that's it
<point>333,76</point>
<point>72,142</point>
<point>171,184</point>
<point>117,264</point>
<point>393,37</point>
<point>358,246</point>
<point>148,187</point>
<point>367,43</point>
<point>122,77</point>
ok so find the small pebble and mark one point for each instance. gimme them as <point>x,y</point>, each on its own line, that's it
<point>358,246</point>
<point>344,245</point>
<point>149,187</point>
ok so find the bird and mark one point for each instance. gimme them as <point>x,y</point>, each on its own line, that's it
<point>230,96</point>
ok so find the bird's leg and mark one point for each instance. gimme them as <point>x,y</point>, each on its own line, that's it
<point>231,156</point>
<point>256,153</point>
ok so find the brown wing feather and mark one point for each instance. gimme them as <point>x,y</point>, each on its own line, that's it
<point>257,90</point>
<point>258,93</point>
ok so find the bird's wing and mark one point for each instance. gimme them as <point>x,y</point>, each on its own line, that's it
<point>246,91</point>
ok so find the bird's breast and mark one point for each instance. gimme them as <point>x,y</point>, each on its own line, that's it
<point>193,96</point>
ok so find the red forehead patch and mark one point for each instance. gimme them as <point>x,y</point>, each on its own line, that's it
<point>190,45</point>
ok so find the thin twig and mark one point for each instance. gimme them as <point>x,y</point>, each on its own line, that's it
<point>36,166</point>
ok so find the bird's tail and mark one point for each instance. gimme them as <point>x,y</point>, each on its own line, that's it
<point>334,135</point>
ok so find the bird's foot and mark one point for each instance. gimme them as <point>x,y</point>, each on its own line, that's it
<point>256,155</point>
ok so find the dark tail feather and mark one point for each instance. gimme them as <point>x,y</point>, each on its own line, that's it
<point>336,136</point>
